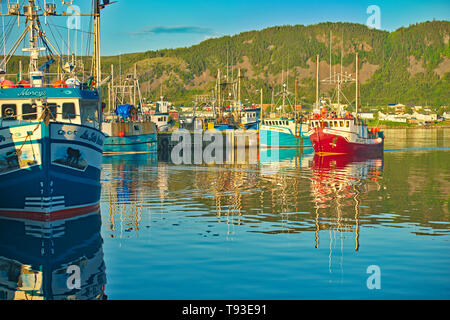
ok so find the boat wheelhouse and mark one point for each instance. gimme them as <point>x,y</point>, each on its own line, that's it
<point>161,115</point>
<point>250,118</point>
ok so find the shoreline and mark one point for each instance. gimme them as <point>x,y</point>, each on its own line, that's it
<point>384,127</point>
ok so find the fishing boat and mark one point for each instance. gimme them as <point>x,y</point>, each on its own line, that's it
<point>334,135</point>
<point>128,130</point>
<point>288,131</point>
<point>51,142</point>
<point>161,115</point>
<point>250,117</point>
<point>334,132</point>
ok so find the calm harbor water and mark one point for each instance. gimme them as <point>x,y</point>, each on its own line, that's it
<point>300,227</point>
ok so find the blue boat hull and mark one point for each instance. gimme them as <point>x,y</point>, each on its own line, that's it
<point>57,170</point>
<point>252,126</point>
<point>145,143</point>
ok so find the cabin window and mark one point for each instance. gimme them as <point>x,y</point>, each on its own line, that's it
<point>9,112</point>
<point>89,111</point>
<point>341,123</point>
<point>347,124</point>
<point>326,124</point>
<point>53,107</point>
<point>29,111</point>
<point>68,110</point>
<point>336,124</point>
<point>331,124</point>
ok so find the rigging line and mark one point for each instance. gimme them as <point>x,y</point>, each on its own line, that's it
<point>9,27</point>
<point>64,41</point>
<point>76,30</point>
<point>4,46</point>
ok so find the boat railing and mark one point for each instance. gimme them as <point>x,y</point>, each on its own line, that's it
<point>41,116</point>
<point>47,80</point>
<point>140,117</point>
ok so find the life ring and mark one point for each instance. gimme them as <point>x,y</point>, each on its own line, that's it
<point>59,84</point>
<point>23,84</point>
<point>7,84</point>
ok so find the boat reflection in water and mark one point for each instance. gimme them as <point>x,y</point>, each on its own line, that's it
<point>124,180</point>
<point>52,259</point>
<point>337,184</point>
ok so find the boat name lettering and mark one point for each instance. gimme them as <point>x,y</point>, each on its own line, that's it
<point>29,93</point>
<point>93,137</point>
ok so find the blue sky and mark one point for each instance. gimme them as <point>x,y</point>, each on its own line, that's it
<point>149,25</point>
<point>141,25</point>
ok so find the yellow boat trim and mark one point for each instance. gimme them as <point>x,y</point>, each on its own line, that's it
<point>323,154</point>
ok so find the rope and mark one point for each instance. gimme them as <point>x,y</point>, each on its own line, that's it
<point>46,114</point>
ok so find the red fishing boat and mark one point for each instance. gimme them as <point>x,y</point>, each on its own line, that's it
<point>340,132</point>
<point>331,135</point>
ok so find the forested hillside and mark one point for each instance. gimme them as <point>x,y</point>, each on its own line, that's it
<point>410,65</point>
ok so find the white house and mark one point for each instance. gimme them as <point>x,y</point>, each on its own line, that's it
<point>426,117</point>
<point>367,115</point>
<point>392,117</point>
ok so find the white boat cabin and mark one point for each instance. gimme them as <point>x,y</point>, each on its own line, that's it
<point>345,126</point>
<point>69,110</point>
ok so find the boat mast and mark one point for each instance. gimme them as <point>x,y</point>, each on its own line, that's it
<point>30,11</point>
<point>97,68</point>
<point>357,84</point>
<point>317,83</point>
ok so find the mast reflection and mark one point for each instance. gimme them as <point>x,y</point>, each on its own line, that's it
<point>337,184</point>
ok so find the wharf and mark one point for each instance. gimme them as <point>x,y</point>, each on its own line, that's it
<point>231,138</point>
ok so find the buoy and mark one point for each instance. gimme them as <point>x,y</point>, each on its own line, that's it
<point>121,134</point>
<point>59,84</point>
<point>7,84</point>
<point>23,84</point>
